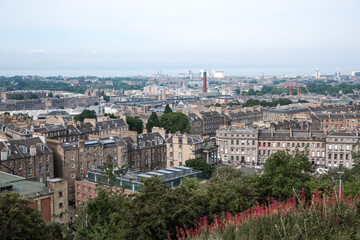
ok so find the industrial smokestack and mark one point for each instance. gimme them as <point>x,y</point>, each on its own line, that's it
<point>204,81</point>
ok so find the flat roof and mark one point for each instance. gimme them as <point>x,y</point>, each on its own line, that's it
<point>23,186</point>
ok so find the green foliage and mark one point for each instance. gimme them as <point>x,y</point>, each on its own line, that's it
<point>253,81</point>
<point>253,102</point>
<point>153,121</point>
<point>217,105</point>
<point>326,89</point>
<point>50,94</point>
<point>60,107</point>
<point>266,90</point>
<point>135,124</point>
<point>17,96</point>
<point>201,165</point>
<point>285,174</point>
<point>19,221</point>
<point>17,83</point>
<point>302,101</point>
<point>96,103</point>
<point>85,114</point>
<point>111,115</point>
<point>175,121</point>
<point>6,113</point>
<point>167,109</point>
<point>33,96</point>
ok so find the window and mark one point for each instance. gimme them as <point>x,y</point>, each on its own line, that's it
<point>61,205</point>
<point>88,164</point>
<point>40,169</point>
<point>47,158</point>
<point>29,161</point>
<point>81,166</point>
<point>78,186</point>
<point>95,163</point>
<point>72,157</point>
<point>78,194</point>
<point>81,156</point>
<point>330,147</point>
<point>90,190</point>
<point>30,171</point>
<point>40,159</point>
<point>72,165</point>
<point>84,188</point>
<point>72,176</point>
<point>60,194</point>
<point>78,202</point>
<point>20,165</point>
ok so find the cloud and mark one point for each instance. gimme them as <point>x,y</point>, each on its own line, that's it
<point>36,50</point>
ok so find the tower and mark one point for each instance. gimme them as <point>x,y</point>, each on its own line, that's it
<point>204,81</point>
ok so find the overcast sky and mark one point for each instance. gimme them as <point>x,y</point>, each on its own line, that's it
<point>110,34</point>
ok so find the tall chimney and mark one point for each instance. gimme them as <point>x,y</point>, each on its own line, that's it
<point>204,81</point>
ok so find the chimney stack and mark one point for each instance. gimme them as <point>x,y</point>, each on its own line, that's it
<point>204,81</point>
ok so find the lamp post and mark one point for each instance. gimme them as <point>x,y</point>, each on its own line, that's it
<point>340,174</point>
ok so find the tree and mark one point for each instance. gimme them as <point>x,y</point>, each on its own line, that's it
<point>6,113</point>
<point>285,174</point>
<point>96,103</point>
<point>149,211</point>
<point>135,124</point>
<point>217,105</point>
<point>33,96</point>
<point>201,165</point>
<point>85,114</point>
<point>106,216</point>
<point>153,121</point>
<point>175,121</point>
<point>167,109</point>
<point>50,94</point>
<point>16,96</point>
<point>18,220</point>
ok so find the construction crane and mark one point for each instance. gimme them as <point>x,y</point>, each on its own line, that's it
<point>304,85</point>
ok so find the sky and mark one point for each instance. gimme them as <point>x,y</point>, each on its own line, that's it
<point>84,35</point>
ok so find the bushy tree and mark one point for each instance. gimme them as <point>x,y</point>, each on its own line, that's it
<point>153,121</point>
<point>135,124</point>
<point>19,221</point>
<point>175,121</point>
<point>85,114</point>
<point>285,174</point>
<point>167,109</point>
<point>201,165</point>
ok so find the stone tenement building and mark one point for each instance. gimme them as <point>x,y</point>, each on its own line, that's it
<point>182,147</point>
<point>63,133</point>
<point>210,122</point>
<point>146,152</point>
<point>72,160</point>
<point>271,141</point>
<point>326,149</point>
<point>237,145</point>
<point>302,113</point>
<point>246,117</point>
<point>29,158</point>
<point>337,122</point>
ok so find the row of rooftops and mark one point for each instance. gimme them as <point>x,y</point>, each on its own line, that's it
<point>321,116</point>
<point>321,108</point>
<point>21,148</point>
<point>286,134</point>
<point>143,141</point>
